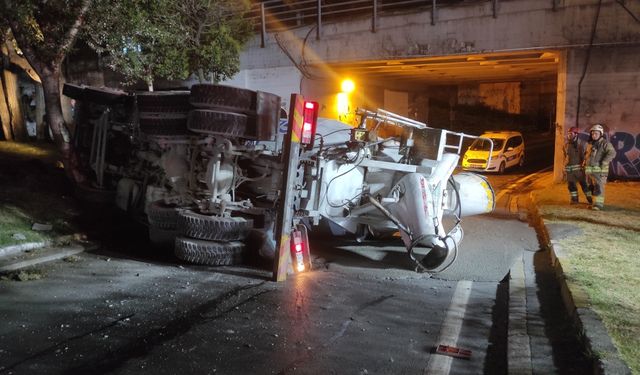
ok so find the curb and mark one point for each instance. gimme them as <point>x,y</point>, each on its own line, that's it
<point>47,255</point>
<point>49,250</point>
<point>15,249</point>
<point>518,344</point>
<point>594,335</point>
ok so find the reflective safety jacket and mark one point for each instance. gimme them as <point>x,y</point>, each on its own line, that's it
<point>574,152</point>
<point>599,155</point>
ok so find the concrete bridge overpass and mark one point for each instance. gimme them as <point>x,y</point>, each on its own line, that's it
<point>553,63</point>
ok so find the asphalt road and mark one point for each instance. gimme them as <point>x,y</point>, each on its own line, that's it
<point>127,309</point>
<point>362,310</point>
<point>111,314</point>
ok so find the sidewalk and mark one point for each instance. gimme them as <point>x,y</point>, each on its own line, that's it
<point>570,232</point>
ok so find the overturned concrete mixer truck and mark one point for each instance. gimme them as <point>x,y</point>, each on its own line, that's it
<point>204,168</point>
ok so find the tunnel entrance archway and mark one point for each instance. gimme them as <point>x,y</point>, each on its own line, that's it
<point>515,90</point>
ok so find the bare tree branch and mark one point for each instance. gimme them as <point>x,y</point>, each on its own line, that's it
<point>70,38</point>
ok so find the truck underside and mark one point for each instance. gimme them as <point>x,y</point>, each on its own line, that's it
<point>206,168</point>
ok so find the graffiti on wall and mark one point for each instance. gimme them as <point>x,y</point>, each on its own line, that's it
<point>627,161</point>
<point>626,164</point>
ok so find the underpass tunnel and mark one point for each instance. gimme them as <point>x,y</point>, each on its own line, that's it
<point>473,93</point>
<point>464,65</point>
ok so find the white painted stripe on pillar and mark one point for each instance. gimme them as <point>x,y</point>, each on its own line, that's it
<point>450,331</point>
<point>518,346</point>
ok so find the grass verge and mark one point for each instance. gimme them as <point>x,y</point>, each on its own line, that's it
<point>604,260</point>
<point>14,222</point>
<point>34,190</point>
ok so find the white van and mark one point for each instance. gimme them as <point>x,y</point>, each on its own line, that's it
<point>508,151</point>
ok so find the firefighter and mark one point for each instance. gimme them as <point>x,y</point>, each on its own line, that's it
<point>574,154</point>
<point>599,154</point>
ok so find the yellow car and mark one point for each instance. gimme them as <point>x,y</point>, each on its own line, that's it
<point>506,149</point>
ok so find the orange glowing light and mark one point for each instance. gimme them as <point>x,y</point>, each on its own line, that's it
<point>347,86</point>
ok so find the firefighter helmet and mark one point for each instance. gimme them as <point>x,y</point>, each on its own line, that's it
<point>597,127</point>
<point>574,129</point>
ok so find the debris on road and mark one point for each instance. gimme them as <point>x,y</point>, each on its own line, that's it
<point>452,351</point>
<point>22,276</point>
<point>41,227</point>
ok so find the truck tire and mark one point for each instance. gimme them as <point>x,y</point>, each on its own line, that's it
<point>162,216</point>
<point>162,238</point>
<point>218,122</point>
<point>213,228</point>
<point>209,252</point>
<point>164,101</point>
<point>227,98</point>
<point>163,113</point>
<point>163,126</point>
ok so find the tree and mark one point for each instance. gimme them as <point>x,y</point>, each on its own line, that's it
<point>141,39</point>
<point>149,39</point>
<point>215,31</point>
<point>45,32</point>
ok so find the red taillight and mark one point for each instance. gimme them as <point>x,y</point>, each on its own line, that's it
<point>307,133</point>
<point>309,123</point>
<point>300,250</point>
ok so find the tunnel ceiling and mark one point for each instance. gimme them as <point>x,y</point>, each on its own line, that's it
<point>456,69</point>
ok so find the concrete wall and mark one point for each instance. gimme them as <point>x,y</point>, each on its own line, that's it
<point>609,92</point>
<point>609,95</point>
<point>538,97</point>
<point>505,96</point>
<point>462,29</point>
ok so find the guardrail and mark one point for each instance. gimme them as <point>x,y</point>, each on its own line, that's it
<point>278,15</point>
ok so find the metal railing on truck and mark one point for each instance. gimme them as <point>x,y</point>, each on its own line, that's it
<point>446,140</point>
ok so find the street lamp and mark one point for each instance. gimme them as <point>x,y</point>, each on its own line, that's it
<point>347,86</point>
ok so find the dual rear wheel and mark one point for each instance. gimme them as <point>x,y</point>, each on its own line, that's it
<point>198,238</point>
<point>210,110</point>
<point>211,240</point>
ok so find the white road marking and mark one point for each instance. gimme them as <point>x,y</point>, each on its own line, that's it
<point>450,331</point>
<point>518,345</point>
<point>519,181</point>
